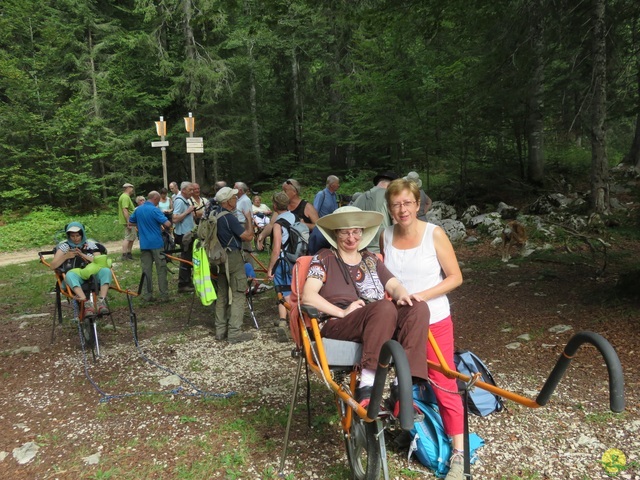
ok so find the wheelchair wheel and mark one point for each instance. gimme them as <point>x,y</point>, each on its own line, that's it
<point>363,449</point>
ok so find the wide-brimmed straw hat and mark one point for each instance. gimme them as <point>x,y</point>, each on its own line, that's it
<point>350,217</point>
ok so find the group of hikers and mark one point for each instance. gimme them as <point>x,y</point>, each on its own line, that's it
<point>379,271</point>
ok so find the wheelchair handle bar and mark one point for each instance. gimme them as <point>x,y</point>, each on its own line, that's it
<point>614,368</point>
<point>392,349</point>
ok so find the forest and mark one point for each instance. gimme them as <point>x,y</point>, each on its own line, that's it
<point>303,88</point>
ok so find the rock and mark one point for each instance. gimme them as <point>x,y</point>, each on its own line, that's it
<point>513,346</point>
<point>34,349</point>
<point>513,284</point>
<point>506,330</point>
<point>470,240</point>
<point>25,453</point>
<point>3,455</point>
<point>560,328</point>
<point>455,229</point>
<point>170,380</point>
<point>92,459</point>
<point>525,337</point>
<point>507,212</point>
<point>31,315</point>
<point>470,213</point>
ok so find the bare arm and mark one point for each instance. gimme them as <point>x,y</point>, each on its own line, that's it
<point>247,235</point>
<point>400,294</point>
<point>275,249</point>
<point>311,212</point>
<point>449,263</point>
<point>311,296</point>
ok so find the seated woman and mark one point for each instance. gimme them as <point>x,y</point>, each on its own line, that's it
<point>75,253</point>
<point>260,212</point>
<point>347,284</point>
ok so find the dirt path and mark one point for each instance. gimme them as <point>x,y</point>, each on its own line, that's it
<point>12,258</point>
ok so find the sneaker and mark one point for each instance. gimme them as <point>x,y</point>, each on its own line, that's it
<point>282,331</point>
<point>125,257</point>
<point>103,308</point>
<point>243,337</point>
<point>186,289</point>
<point>456,466</point>
<point>89,310</point>
<point>262,288</point>
<point>363,396</point>
<point>130,256</point>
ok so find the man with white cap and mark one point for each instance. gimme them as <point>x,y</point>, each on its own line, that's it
<point>374,200</point>
<point>125,209</point>
<point>425,201</point>
<point>232,279</point>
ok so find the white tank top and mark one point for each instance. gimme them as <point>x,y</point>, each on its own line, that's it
<point>418,269</point>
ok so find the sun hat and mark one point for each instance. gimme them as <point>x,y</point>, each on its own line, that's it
<point>350,217</point>
<point>225,193</point>
<point>388,174</point>
<point>127,185</point>
<point>73,229</point>
<point>415,178</point>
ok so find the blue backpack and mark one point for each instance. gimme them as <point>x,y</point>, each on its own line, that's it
<point>430,443</point>
<point>480,401</point>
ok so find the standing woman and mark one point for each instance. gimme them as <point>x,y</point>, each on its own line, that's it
<point>421,256</point>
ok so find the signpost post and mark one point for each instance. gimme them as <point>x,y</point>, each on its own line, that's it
<point>161,129</point>
<point>194,144</point>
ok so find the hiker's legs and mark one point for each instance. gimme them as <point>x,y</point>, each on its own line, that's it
<point>450,404</point>
<point>146,260</point>
<point>222,304</point>
<point>161,270</point>
<point>238,281</point>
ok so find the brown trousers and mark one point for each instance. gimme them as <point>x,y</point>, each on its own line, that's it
<point>377,322</point>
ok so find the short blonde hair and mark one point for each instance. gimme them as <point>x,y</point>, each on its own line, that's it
<point>400,185</point>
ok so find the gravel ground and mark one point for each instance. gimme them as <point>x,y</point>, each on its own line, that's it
<point>48,399</point>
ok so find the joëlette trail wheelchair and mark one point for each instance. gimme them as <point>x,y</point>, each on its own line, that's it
<point>87,323</point>
<point>363,429</point>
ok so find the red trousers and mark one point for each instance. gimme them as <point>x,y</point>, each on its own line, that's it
<point>450,404</point>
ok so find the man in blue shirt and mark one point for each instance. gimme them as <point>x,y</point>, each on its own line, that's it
<point>149,220</point>
<point>326,200</point>
<point>184,223</point>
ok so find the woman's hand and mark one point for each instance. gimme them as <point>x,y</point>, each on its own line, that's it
<point>353,307</point>
<point>406,299</point>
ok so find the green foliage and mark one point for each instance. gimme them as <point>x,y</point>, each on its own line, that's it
<point>297,89</point>
<point>44,227</point>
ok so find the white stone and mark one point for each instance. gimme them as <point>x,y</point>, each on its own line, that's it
<point>513,284</point>
<point>25,453</point>
<point>560,328</point>
<point>525,337</point>
<point>170,380</point>
<point>513,346</point>
<point>92,459</point>
<point>3,455</point>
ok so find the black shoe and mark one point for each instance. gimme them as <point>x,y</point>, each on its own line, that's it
<point>243,337</point>
<point>186,289</point>
<point>129,256</point>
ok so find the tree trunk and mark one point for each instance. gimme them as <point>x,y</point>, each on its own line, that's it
<point>297,108</point>
<point>599,166</point>
<point>633,157</point>
<point>255,126</point>
<point>95,102</point>
<point>535,132</point>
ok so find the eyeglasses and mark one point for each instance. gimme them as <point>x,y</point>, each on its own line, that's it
<point>357,233</point>
<point>400,205</point>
